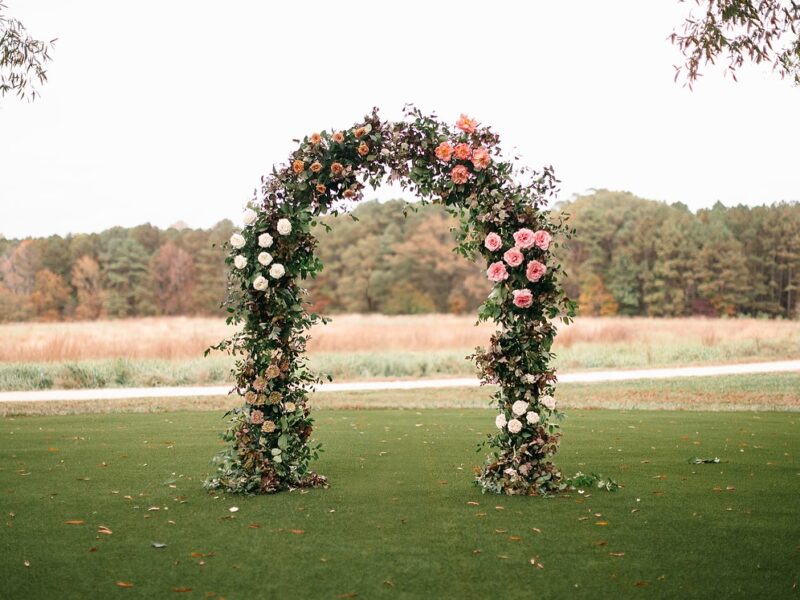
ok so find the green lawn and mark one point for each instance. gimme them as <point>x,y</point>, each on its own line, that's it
<point>400,519</point>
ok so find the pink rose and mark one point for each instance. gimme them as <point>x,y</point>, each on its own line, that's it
<point>535,271</point>
<point>497,272</point>
<point>481,159</point>
<point>542,239</point>
<point>493,242</point>
<point>459,174</point>
<point>462,151</point>
<point>256,417</point>
<point>466,124</point>
<point>444,151</point>
<point>522,298</point>
<point>513,257</point>
<point>524,238</point>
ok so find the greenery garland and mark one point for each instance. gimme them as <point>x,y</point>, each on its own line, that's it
<point>500,209</point>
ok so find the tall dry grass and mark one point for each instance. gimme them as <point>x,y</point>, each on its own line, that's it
<point>184,337</point>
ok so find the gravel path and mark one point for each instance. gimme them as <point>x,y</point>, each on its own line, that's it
<point>358,386</point>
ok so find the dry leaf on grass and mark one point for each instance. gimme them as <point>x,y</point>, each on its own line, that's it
<point>124,584</point>
<point>74,522</point>
<point>181,589</point>
<point>616,554</point>
<point>297,531</point>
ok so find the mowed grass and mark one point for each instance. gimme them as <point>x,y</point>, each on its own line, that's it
<point>153,352</point>
<point>402,518</point>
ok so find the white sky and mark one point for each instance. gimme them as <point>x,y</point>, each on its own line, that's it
<point>164,110</point>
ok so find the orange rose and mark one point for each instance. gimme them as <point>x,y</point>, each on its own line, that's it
<point>320,188</point>
<point>444,151</point>
<point>363,149</point>
<point>481,159</point>
<point>337,168</point>
<point>316,167</point>
<point>315,138</point>
<point>459,174</point>
<point>348,193</point>
<point>359,132</point>
<point>466,124</point>
<point>298,166</point>
<point>462,151</point>
<point>338,137</point>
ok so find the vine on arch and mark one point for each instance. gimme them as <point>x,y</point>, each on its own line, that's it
<point>500,206</point>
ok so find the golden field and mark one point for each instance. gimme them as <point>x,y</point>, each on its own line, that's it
<point>180,338</point>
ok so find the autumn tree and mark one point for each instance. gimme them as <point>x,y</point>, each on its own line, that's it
<point>50,296</point>
<point>172,273</point>
<point>86,280</point>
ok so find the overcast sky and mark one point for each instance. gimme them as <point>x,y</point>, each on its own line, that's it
<point>159,111</point>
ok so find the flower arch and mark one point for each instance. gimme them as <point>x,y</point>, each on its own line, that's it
<point>501,217</point>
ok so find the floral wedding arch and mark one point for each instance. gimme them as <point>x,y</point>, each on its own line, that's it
<point>499,205</point>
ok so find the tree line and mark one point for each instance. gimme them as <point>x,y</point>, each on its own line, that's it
<point>630,257</point>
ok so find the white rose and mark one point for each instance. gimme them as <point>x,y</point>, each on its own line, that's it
<point>260,283</point>
<point>519,407</point>
<point>532,418</point>
<point>514,426</point>
<point>530,378</point>
<point>239,261</point>
<point>265,240</point>
<point>277,271</point>
<point>237,240</point>
<point>500,421</point>
<point>249,216</point>
<point>265,258</point>
<point>290,407</point>
<point>284,227</point>
<point>548,401</point>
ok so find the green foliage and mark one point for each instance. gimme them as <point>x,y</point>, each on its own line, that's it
<point>22,58</point>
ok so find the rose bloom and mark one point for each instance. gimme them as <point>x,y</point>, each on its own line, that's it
<point>259,383</point>
<point>481,159</point>
<point>260,283</point>
<point>237,240</point>
<point>514,426</point>
<point>524,238</point>
<point>548,401</point>
<point>316,167</point>
<point>519,408</point>
<point>290,406</point>
<point>250,397</point>
<point>337,168</point>
<point>532,418</point>
<point>535,271</point>
<point>277,271</point>
<point>265,240</point>
<point>239,261</point>
<point>268,427</point>
<point>256,417</point>
<point>359,132</point>
<point>529,378</point>
<point>363,149</point>
<point>249,216</point>
<point>315,138</point>
<point>444,151</point>
<point>338,137</point>
<point>462,151</point>
<point>513,257</point>
<point>497,272</point>
<point>348,193</point>
<point>284,226</point>
<point>459,174</point>
<point>493,242</point>
<point>542,239</point>
<point>275,397</point>
<point>522,298</point>
<point>466,124</point>
<point>265,258</point>
<point>273,371</point>
<point>500,421</point>
<point>298,166</point>
<point>321,189</point>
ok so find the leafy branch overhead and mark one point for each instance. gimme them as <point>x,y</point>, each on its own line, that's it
<point>22,58</point>
<point>758,31</point>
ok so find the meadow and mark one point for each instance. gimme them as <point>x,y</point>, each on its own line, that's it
<point>118,500</point>
<point>168,351</point>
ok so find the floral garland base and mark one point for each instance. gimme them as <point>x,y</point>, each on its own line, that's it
<point>500,209</point>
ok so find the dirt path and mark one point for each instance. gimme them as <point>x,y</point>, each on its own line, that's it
<point>585,377</point>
